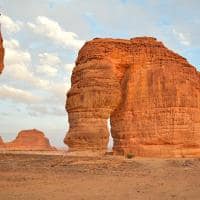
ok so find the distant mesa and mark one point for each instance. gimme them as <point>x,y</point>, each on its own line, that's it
<point>150,94</point>
<point>29,140</point>
<point>1,54</point>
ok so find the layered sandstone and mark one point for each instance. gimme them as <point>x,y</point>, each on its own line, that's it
<point>1,54</point>
<point>30,140</point>
<point>150,94</point>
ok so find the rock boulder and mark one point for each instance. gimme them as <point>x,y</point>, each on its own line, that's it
<point>150,94</point>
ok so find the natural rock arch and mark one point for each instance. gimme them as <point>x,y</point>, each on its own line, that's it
<point>151,94</point>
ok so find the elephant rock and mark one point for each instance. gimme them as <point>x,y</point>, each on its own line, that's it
<point>150,94</point>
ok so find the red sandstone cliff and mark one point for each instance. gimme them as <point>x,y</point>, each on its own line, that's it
<point>151,95</point>
<point>1,54</point>
<point>30,140</point>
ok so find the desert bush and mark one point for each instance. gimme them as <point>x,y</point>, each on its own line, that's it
<point>130,155</point>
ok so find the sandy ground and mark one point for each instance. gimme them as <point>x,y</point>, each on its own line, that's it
<point>68,177</point>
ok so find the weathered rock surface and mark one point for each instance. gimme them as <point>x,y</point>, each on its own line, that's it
<point>150,94</point>
<point>1,54</point>
<point>1,142</point>
<point>30,140</point>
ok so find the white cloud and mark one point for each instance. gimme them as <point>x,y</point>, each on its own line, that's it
<point>49,59</point>
<point>9,25</point>
<point>181,37</point>
<point>17,95</point>
<point>47,70</point>
<point>19,68</point>
<point>11,44</point>
<point>49,64</point>
<point>58,91</point>
<point>17,62</point>
<point>69,67</point>
<point>14,54</point>
<point>52,30</point>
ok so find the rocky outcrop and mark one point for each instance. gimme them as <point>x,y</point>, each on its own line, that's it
<point>30,140</point>
<point>1,54</point>
<point>1,142</point>
<point>150,94</point>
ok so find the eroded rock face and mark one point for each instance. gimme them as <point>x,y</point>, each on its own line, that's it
<point>30,140</point>
<point>151,95</point>
<point>1,142</point>
<point>1,54</point>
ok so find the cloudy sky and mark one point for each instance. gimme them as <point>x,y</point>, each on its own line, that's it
<point>42,39</point>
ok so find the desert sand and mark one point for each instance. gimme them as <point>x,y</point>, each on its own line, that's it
<point>76,177</point>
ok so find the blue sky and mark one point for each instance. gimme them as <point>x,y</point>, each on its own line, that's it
<point>42,39</point>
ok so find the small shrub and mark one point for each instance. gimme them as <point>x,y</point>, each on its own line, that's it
<point>129,155</point>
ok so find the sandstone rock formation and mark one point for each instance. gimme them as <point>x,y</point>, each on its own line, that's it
<point>150,94</point>
<point>30,140</point>
<point>1,143</point>
<point>1,54</point>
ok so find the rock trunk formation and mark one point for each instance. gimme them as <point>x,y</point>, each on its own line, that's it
<point>1,54</point>
<point>30,140</point>
<point>150,94</point>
